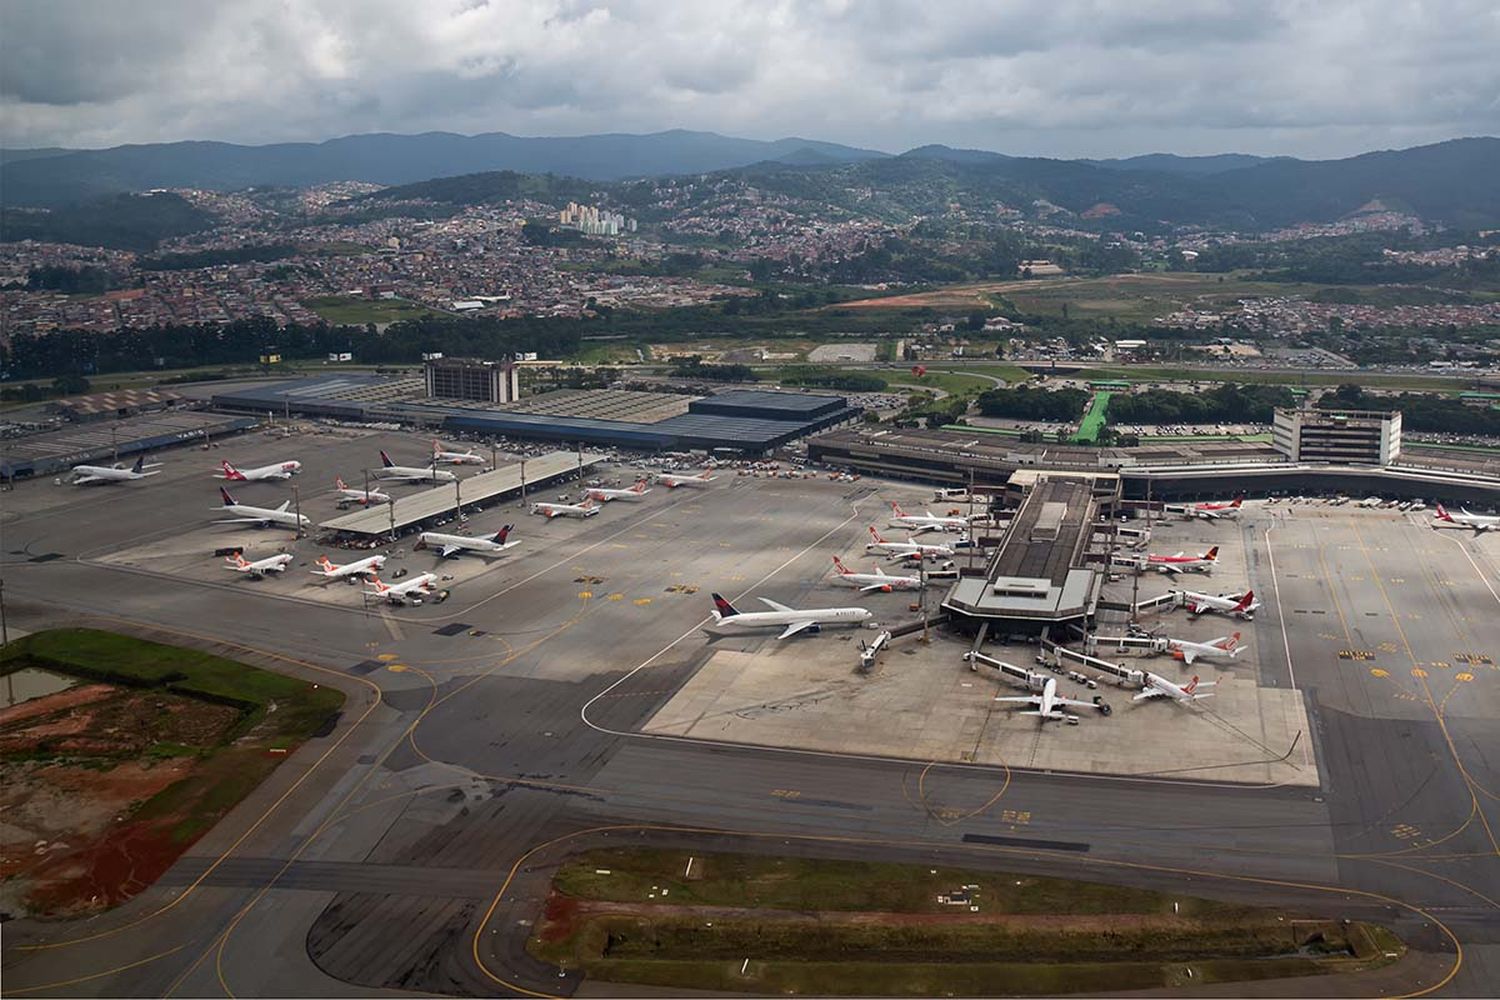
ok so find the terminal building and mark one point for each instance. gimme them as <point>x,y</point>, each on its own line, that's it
<point>1171,470</point>
<point>1343,437</point>
<point>1043,573</point>
<point>747,422</point>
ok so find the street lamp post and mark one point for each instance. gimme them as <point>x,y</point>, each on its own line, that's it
<point>297,507</point>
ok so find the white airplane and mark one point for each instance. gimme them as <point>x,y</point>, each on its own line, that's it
<point>1479,522</point>
<point>586,509</point>
<point>1188,651</point>
<point>1240,605</point>
<point>1048,704</point>
<point>603,495</point>
<point>1206,511</point>
<point>407,591</point>
<point>672,480</point>
<point>905,550</point>
<point>1182,561</point>
<point>259,568</point>
<point>368,566</point>
<point>348,494</point>
<point>86,475</point>
<point>926,521</point>
<point>410,473</point>
<point>260,515</point>
<point>1160,687</point>
<point>728,621</point>
<point>452,545</point>
<point>280,470</point>
<point>877,580</point>
<point>441,457</point>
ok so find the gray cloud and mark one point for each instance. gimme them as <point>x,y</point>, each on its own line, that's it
<point>1021,76</point>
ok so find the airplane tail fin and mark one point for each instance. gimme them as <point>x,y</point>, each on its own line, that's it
<point>230,472</point>
<point>875,534</point>
<point>896,509</point>
<point>1246,601</point>
<point>338,483</point>
<point>327,564</point>
<point>380,587</point>
<point>229,501</point>
<point>1443,514</point>
<point>1211,554</point>
<point>838,564</point>
<point>1229,644</point>
<point>1238,501</point>
<point>639,487</point>
<point>385,459</point>
<point>726,610</point>
<point>503,533</point>
<point>1191,685</point>
<point>140,465</point>
<point>238,559</point>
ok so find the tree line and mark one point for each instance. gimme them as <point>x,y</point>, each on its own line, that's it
<point>66,352</point>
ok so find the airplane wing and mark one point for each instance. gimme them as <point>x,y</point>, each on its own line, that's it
<point>285,506</point>
<point>1189,654</point>
<point>1169,568</point>
<point>1025,699</point>
<point>448,550</point>
<point>85,480</point>
<point>1075,703</point>
<point>1150,692</point>
<point>794,628</point>
<point>919,529</point>
<point>775,606</point>
<point>873,586</point>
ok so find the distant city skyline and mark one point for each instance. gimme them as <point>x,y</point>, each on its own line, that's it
<point>1027,78</point>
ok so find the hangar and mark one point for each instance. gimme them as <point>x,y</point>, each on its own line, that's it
<point>51,452</point>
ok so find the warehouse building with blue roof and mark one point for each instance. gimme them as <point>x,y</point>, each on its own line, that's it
<point>746,421</point>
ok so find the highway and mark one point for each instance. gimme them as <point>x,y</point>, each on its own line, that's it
<point>409,850</point>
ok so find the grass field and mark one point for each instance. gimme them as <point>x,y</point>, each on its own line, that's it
<point>1093,420</point>
<point>349,310</point>
<point>793,925</point>
<point>117,776</point>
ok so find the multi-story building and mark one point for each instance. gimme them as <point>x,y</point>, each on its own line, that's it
<point>467,378</point>
<point>1342,437</point>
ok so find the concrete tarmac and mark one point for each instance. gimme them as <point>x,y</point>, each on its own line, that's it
<point>409,849</point>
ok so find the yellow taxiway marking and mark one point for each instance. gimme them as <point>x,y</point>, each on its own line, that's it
<point>387,657</point>
<point>1418,672</point>
<point>641,602</point>
<point>1378,672</point>
<point>585,594</point>
<point>617,597</point>
<point>397,668</point>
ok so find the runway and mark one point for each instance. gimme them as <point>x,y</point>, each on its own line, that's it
<point>408,850</point>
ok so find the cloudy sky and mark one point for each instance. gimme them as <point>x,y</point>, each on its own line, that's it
<point>1050,77</point>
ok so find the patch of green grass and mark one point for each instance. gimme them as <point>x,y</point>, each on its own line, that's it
<point>166,751</point>
<point>344,309</point>
<point>106,656</point>
<point>1093,420</point>
<point>809,884</point>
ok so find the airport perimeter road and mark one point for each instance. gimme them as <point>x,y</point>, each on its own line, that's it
<point>410,849</point>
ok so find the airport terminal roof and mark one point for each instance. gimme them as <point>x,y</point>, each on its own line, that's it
<point>51,452</point>
<point>1038,571</point>
<point>739,419</point>
<point>418,507</point>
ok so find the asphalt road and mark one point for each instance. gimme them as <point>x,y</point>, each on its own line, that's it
<point>409,849</point>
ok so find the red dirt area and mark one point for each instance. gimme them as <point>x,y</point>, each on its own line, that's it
<point>74,768</point>
<point>559,917</point>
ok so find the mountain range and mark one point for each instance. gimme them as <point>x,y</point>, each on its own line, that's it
<point>1450,182</point>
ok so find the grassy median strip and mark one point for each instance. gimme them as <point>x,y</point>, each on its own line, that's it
<point>748,922</point>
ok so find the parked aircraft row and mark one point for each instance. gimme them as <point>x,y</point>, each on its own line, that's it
<point>908,549</point>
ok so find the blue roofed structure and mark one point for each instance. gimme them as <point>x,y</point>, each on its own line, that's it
<point>750,421</point>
